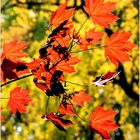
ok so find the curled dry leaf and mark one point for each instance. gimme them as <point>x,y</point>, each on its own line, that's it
<point>103,79</point>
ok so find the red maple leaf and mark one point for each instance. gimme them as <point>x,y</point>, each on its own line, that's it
<point>53,55</point>
<point>108,75</point>
<point>62,34</point>
<point>91,37</point>
<point>13,51</point>
<point>62,40</point>
<point>41,85</point>
<point>18,99</point>
<point>37,67</point>
<point>49,81</point>
<point>35,64</point>
<point>116,47</point>
<point>101,121</point>
<point>100,12</point>
<point>66,108</point>
<point>80,97</point>
<point>61,14</point>
<point>42,78</point>
<point>57,120</point>
<point>11,65</point>
<point>6,70</point>
<point>12,70</point>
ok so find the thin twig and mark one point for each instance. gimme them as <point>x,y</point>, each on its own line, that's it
<point>4,98</point>
<point>78,114</point>
<point>4,5</point>
<point>16,80</point>
<point>46,109</point>
<point>76,84</point>
<point>83,50</point>
<point>97,47</point>
<point>71,44</point>
<point>82,25</point>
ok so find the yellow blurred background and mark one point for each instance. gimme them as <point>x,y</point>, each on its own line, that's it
<point>28,20</point>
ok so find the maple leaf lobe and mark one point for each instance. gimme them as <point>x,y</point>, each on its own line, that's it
<point>61,14</point>
<point>66,108</point>
<point>18,99</point>
<point>116,47</point>
<point>101,121</point>
<point>80,97</point>
<point>100,12</point>
<point>13,51</point>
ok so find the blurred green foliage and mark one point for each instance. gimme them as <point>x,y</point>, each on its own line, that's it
<point>29,21</point>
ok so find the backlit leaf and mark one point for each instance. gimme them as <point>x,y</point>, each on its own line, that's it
<point>116,47</point>
<point>100,12</point>
<point>61,14</point>
<point>101,121</point>
<point>18,99</point>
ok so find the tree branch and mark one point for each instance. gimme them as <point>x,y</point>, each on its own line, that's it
<point>125,85</point>
<point>4,5</point>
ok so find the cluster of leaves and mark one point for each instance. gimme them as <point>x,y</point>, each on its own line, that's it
<point>56,59</point>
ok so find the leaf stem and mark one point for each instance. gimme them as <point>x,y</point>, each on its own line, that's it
<point>71,44</point>
<point>46,109</point>
<point>99,47</point>
<point>83,50</point>
<point>32,75</point>
<point>4,98</point>
<point>82,25</point>
<point>78,114</point>
<point>76,84</point>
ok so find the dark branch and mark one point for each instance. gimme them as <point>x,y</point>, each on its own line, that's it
<point>125,85</point>
<point>4,5</point>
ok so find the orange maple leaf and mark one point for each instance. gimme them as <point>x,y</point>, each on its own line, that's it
<point>18,99</point>
<point>80,97</point>
<point>101,121</point>
<point>91,38</point>
<point>65,108</point>
<point>63,41</point>
<point>13,51</point>
<point>62,34</point>
<point>116,47</point>
<point>67,66</point>
<point>100,12</point>
<point>61,14</point>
